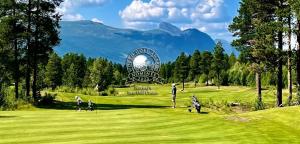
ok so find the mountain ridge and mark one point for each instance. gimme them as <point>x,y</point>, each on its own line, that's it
<point>95,39</point>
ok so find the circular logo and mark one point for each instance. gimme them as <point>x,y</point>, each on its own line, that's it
<point>143,66</point>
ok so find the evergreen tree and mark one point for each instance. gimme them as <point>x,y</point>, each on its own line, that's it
<point>181,68</point>
<point>232,59</point>
<point>12,20</point>
<point>205,64</point>
<point>45,21</point>
<point>219,63</point>
<point>295,5</point>
<point>195,69</point>
<point>53,75</point>
<point>254,27</point>
<point>79,68</point>
<point>70,76</point>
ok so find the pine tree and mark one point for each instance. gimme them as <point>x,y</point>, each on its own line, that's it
<point>53,75</point>
<point>181,68</point>
<point>232,59</point>
<point>195,69</point>
<point>205,64</point>
<point>219,63</point>
<point>254,27</point>
<point>295,5</point>
<point>45,21</point>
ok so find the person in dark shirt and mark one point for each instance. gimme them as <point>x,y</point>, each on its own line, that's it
<point>79,101</point>
<point>174,90</point>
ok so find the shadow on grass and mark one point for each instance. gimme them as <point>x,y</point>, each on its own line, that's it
<point>4,117</point>
<point>73,106</point>
<point>204,112</point>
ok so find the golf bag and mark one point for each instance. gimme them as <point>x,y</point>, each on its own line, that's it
<point>90,105</point>
<point>195,104</point>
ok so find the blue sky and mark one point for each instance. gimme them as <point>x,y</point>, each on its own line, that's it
<point>210,16</point>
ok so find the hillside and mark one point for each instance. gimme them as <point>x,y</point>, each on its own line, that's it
<point>96,39</point>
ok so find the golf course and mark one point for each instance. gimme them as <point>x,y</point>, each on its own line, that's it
<point>125,118</point>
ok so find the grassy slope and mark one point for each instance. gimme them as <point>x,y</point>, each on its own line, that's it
<point>144,119</point>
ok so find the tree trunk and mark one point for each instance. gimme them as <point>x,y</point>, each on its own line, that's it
<point>279,68</point>
<point>28,69</point>
<point>290,83</point>
<point>16,54</point>
<point>182,84</point>
<point>34,88</point>
<point>218,81</point>
<point>298,62</point>
<point>258,86</point>
<point>207,80</point>
<point>36,46</point>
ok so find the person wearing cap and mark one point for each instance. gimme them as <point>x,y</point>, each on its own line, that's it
<point>174,95</point>
<point>79,101</point>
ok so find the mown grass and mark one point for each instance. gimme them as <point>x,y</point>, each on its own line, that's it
<point>149,119</point>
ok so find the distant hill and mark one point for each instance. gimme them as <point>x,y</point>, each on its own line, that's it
<point>227,47</point>
<point>98,40</point>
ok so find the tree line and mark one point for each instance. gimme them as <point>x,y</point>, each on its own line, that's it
<point>74,70</point>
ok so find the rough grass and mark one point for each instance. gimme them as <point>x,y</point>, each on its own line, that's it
<point>149,119</point>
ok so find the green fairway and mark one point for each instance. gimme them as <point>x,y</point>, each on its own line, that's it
<point>149,119</point>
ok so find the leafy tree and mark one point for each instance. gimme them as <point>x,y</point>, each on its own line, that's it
<point>101,74</point>
<point>205,64</point>
<point>53,75</point>
<point>70,76</point>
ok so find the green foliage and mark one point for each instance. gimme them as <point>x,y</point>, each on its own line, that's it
<point>53,75</point>
<point>182,67</point>
<point>205,64</point>
<point>101,74</point>
<point>195,69</point>
<point>259,105</point>
<point>74,69</point>
<point>8,100</point>
<point>220,64</point>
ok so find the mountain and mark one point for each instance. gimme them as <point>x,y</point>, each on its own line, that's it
<point>98,40</point>
<point>227,47</point>
<point>172,30</point>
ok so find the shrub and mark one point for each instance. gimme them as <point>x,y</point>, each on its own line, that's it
<point>112,91</point>
<point>8,100</point>
<point>259,105</point>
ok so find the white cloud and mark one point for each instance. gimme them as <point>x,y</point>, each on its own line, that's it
<point>206,15</point>
<point>67,7</point>
<point>140,11</point>
<point>73,17</point>
<point>96,20</point>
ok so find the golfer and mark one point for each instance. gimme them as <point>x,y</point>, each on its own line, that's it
<point>174,95</point>
<point>79,101</point>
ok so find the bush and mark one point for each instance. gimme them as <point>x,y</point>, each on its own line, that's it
<point>84,91</point>
<point>112,91</point>
<point>8,100</point>
<point>259,105</point>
